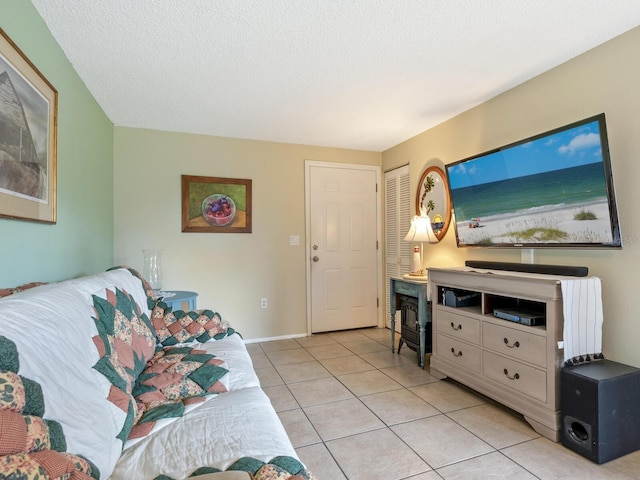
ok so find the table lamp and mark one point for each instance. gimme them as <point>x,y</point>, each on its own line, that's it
<point>420,231</point>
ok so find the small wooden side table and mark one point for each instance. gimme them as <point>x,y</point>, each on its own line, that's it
<point>182,300</point>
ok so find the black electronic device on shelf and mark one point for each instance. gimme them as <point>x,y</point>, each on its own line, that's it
<point>525,317</point>
<point>460,298</point>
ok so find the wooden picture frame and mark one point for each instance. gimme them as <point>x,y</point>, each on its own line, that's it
<point>432,200</point>
<point>216,205</point>
<point>28,138</point>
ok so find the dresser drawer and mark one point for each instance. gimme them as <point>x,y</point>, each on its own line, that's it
<point>408,288</point>
<point>520,377</point>
<point>521,345</point>
<point>459,326</point>
<point>460,353</point>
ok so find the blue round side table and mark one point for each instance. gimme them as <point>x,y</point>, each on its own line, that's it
<point>182,300</point>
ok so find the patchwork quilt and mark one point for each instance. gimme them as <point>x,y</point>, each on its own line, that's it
<point>278,468</point>
<point>101,379</point>
<point>32,447</point>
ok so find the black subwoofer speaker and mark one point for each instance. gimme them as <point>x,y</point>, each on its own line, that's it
<point>600,405</point>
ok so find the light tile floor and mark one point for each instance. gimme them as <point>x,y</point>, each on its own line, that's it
<point>354,410</point>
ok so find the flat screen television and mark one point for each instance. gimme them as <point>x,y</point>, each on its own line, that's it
<point>554,190</point>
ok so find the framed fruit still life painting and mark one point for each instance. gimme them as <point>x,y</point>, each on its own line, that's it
<point>216,205</point>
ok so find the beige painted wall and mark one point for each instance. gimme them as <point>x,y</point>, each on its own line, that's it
<point>605,80</point>
<point>231,272</point>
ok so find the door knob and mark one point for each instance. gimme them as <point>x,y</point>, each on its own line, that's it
<point>315,247</point>
<point>315,258</point>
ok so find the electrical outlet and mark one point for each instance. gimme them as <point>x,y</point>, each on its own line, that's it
<point>263,303</point>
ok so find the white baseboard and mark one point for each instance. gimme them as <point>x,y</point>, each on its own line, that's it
<point>270,339</point>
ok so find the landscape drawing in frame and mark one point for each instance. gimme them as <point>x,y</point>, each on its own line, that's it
<point>28,130</point>
<point>216,205</point>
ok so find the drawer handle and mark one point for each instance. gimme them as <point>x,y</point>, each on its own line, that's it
<point>459,327</point>
<point>514,377</point>
<point>506,342</point>
<point>459,354</point>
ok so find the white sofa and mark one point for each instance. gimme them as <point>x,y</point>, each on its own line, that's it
<point>91,343</point>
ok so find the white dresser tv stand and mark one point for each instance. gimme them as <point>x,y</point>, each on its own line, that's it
<point>515,364</point>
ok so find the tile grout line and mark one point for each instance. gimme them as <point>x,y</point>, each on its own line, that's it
<point>301,408</point>
<point>359,398</point>
<point>385,425</point>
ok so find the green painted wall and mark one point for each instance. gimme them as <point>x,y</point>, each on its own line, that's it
<point>82,240</point>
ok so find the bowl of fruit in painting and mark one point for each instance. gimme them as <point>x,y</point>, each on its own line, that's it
<point>218,209</point>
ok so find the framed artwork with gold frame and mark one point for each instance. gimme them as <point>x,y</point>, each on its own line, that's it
<point>432,200</point>
<point>216,205</point>
<point>28,131</point>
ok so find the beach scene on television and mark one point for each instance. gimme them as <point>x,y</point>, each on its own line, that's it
<point>551,190</point>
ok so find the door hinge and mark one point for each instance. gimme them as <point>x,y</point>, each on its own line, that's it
<point>377,245</point>
<point>377,302</point>
<point>376,188</point>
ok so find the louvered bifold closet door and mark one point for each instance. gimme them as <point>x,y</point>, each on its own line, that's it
<point>397,222</point>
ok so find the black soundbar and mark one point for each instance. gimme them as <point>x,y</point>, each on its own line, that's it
<point>568,270</point>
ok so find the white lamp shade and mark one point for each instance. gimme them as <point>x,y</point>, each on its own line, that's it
<point>421,230</point>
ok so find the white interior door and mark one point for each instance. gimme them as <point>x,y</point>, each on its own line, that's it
<point>343,246</point>
<point>397,203</point>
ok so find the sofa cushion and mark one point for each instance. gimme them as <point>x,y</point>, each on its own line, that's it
<point>218,433</point>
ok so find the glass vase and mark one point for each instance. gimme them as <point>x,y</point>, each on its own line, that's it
<point>153,268</point>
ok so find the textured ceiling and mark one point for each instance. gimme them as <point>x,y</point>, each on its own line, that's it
<point>360,74</point>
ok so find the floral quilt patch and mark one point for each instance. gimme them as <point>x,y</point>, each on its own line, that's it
<point>46,464</point>
<point>183,327</point>
<point>31,447</point>
<point>278,468</point>
<point>149,292</point>
<point>125,341</point>
<point>12,392</point>
<point>4,292</point>
<point>174,379</point>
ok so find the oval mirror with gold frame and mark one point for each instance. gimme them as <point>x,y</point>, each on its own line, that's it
<point>432,200</point>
